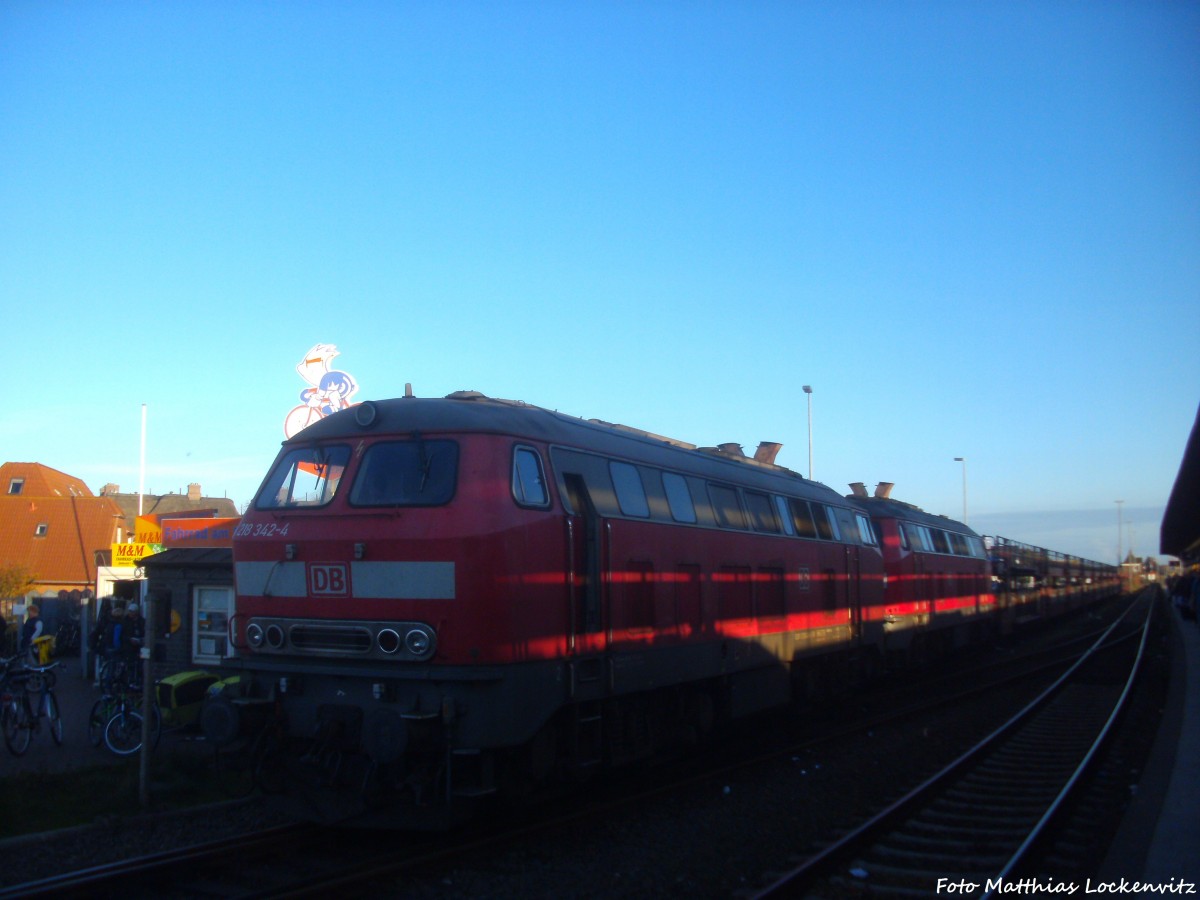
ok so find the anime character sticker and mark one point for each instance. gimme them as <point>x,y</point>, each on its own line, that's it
<point>329,389</point>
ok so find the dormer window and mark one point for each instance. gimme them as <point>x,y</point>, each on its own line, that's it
<point>41,529</point>
<point>16,485</point>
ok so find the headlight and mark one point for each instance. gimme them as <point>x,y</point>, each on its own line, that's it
<point>418,642</point>
<point>388,640</point>
<point>275,637</point>
<point>255,635</point>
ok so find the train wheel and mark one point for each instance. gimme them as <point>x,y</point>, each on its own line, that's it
<point>525,771</point>
<point>701,714</point>
<point>542,755</point>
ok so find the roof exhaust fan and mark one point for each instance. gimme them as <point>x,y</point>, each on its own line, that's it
<point>767,451</point>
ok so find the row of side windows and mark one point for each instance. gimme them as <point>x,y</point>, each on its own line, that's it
<point>936,540</point>
<point>619,488</point>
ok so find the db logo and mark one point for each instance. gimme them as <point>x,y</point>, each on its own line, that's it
<point>328,580</point>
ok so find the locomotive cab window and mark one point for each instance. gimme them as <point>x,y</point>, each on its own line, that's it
<point>415,472</point>
<point>305,476</point>
<point>528,480</point>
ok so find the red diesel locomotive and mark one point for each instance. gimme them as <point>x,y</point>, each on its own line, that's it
<point>939,581</point>
<point>438,597</point>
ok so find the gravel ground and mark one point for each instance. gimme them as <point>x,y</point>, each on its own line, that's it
<point>709,841</point>
<point>714,840</point>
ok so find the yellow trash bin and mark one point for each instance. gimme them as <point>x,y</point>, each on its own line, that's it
<point>44,648</point>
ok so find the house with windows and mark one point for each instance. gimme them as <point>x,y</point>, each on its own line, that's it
<point>55,534</point>
<point>60,540</point>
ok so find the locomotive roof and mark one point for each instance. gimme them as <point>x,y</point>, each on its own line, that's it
<point>469,411</point>
<point>898,509</point>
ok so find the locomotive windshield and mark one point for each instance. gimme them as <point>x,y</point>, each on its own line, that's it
<point>406,473</point>
<point>307,476</point>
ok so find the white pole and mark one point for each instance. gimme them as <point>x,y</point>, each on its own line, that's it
<point>808,393</point>
<point>963,460</point>
<point>142,468</point>
<point>1118,502</point>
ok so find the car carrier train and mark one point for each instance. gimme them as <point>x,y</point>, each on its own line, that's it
<point>437,599</point>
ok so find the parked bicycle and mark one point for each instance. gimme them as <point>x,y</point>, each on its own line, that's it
<point>123,731</point>
<point>20,713</point>
<point>116,718</point>
<point>66,641</point>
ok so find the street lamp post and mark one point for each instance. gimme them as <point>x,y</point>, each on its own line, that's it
<point>963,460</point>
<point>808,392</point>
<point>1118,502</point>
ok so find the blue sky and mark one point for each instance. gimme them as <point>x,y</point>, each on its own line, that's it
<point>974,229</point>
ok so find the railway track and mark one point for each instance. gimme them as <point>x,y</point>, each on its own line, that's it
<point>988,817</point>
<point>306,861</point>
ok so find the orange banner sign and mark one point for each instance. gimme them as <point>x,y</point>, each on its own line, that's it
<point>198,532</point>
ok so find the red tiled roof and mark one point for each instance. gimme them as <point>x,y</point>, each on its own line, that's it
<point>74,528</point>
<point>40,481</point>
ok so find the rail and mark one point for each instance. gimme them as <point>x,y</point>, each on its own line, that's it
<point>906,810</point>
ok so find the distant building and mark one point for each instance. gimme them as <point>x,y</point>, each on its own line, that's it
<point>59,534</point>
<point>54,530</point>
<point>167,505</point>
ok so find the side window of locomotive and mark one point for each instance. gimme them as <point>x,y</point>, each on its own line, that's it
<point>725,505</point>
<point>528,480</point>
<point>802,517</point>
<point>844,527</point>
<point>591,471</point>
<point>864,529</point>
<point>306,476</point>
<point>927,538</point>
<point>825,524</point>
<point>940,544</point>
<point>762,512</point>
<point>959,543</point>
<point>679,498</point>
<point>781,507</point>
<point>919,537</point>
<point>415,472</point>
<point>631,494</point>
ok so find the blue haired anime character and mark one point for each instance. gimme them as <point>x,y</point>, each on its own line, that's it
<point>336,389</point>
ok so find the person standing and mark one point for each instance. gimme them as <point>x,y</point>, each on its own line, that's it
<point>31,631</point>
<point>136,625</point>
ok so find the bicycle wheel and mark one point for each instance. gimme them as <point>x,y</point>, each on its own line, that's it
<point>53,719</point>
<point>102,711</point>
<point>123,733</point>
<point>17,728</point>
<point>155,726</point>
